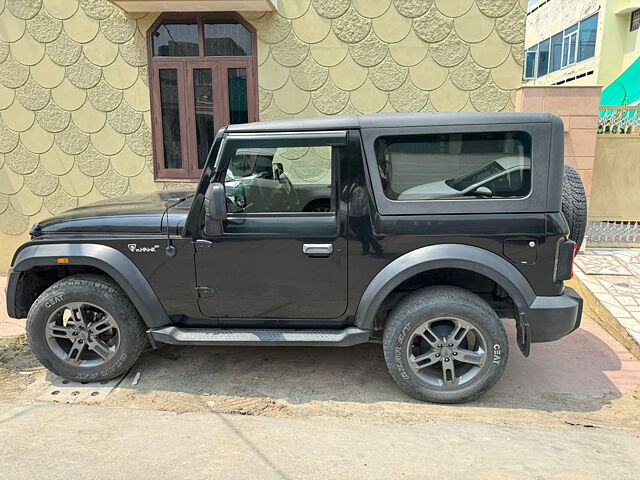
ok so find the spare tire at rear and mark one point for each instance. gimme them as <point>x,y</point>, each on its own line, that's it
<point>574,204</point>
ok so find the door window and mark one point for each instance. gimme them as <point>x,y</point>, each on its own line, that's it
<point>281,179</point>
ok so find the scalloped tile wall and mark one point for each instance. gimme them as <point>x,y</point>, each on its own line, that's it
<point>74,99</point>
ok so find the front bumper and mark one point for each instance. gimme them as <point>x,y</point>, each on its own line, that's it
<point>551,318</point>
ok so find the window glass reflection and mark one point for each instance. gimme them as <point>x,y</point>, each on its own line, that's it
<point>176,40</point>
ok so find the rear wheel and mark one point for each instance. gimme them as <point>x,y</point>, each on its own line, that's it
<point>444,344</point>
<point>84,328</point>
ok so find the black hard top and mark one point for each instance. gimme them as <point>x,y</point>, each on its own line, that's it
<point>384,120</point>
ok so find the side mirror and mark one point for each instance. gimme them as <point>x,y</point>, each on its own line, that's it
<point>483,192</point>
<point>215,202</point>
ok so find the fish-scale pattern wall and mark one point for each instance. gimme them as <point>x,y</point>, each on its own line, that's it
<point>74,107</point>
<point>326,57</point>
<point>75,124</point>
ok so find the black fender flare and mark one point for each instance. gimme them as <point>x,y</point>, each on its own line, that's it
<point>111,261</point>
<point>464,257</point>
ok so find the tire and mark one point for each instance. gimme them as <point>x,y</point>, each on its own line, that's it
<point>318,206</point>
<point>574,204</point>
<point>121,336</point>
<point>442,308</point>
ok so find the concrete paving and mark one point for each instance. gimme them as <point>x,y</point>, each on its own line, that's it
<point>586,364</point>
<point>608,279</point>
<point>588,361</point>
<point>81,442</point>
<point>570,411</point>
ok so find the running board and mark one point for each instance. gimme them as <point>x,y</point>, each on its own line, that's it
<point>267,337</point>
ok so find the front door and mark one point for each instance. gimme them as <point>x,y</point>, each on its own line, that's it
<point>281,254</point>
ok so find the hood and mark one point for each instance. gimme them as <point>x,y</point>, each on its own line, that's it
<point>138,213</point>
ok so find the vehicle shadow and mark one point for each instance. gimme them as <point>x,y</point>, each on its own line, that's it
<point>572,374</point>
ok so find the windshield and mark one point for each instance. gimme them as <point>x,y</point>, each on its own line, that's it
<point>477,176</point>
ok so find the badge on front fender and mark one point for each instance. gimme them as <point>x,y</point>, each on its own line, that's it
<point>134,248</point>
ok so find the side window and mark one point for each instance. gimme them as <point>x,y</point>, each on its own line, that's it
<point>281,179</point>
<point>455,166</point>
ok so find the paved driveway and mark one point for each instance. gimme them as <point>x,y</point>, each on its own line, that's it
<point>586,363</point>
<point>570,411</point>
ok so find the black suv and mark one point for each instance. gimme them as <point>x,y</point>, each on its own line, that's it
<point>432,228</point>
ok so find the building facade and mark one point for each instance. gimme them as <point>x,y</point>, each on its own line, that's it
<point>102,99</point>
<point>585,42</point>
<point>589,45</point>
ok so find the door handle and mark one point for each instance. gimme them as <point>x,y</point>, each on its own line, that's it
<point>317,249</point>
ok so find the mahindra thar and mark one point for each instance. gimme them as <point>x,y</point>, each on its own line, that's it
<point>425,232</point>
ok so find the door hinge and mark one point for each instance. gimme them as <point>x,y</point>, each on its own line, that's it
<point>204,292</point>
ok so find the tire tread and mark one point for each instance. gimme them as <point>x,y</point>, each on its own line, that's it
<point>115,296</point>
<point>574,204</point>
<point>433,297</point>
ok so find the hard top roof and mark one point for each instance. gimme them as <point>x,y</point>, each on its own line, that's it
<point>385,120</point>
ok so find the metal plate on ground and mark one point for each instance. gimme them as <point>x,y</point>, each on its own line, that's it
<point>65,391</point>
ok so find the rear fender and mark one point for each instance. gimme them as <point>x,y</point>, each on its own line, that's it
<point>464,257</point>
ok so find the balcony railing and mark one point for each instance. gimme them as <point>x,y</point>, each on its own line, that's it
<point>619,120</point>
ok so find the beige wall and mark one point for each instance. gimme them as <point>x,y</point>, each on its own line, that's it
<point>325,57</point>
<point>615,194</point>
<point>75,123</point>
<point>620,47</point>
<point>578,107</point>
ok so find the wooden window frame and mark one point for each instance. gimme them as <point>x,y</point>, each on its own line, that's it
<point>185,66</point>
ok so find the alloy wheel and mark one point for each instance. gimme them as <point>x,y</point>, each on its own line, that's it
<point>446,352</point>
<point>82,335</point>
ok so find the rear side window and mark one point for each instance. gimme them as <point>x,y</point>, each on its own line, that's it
<point>455,165</point>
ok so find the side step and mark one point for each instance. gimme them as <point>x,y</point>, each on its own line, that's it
<point>268,337</point>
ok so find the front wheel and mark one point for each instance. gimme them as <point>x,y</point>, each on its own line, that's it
<point>445,344</point>
<point>84,328</point>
